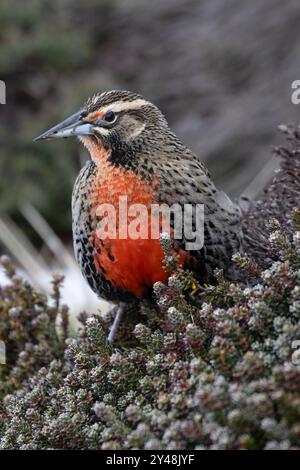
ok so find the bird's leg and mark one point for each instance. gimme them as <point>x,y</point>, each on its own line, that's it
<point>116,322</point>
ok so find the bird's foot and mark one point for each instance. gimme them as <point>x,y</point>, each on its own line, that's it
<point>116,323</point>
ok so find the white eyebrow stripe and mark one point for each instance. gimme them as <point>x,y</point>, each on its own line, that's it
<point>124,105</point>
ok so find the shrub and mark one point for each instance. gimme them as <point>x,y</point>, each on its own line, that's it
<point>208,367</point>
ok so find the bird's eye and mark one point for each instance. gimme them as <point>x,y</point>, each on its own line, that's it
<point>110,117</point>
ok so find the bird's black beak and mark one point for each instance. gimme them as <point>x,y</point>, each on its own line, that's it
<point>72,126</point>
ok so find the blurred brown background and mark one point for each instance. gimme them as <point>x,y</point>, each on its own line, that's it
<point>220,71</point>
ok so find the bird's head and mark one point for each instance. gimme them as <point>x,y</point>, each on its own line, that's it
<point>119,122</point>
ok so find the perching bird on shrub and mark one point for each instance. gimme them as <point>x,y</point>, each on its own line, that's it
<point>134,154</point>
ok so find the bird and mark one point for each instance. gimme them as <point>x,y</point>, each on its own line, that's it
<point>134,154</point>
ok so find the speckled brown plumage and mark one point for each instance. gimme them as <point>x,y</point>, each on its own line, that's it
<point>139,156</point>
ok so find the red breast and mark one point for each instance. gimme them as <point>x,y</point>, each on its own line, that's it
<point>132,264</point>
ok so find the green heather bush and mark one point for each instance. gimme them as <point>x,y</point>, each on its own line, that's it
<point>207,367</point>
